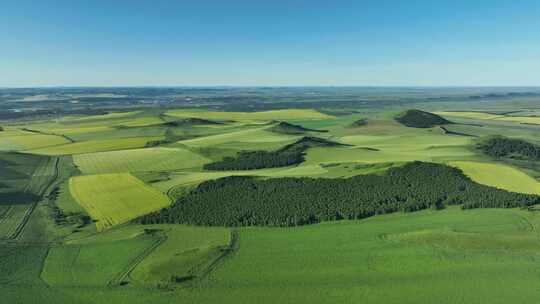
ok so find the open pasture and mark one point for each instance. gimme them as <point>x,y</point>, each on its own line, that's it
<point>186,252</point>
<point>113,199</point>
<point>136,160</point>
<point>497,117</point>
<point>112,115</point>
<point>394,148</point>
<point>22,140</point>
<point>95,146</point>
<point>499,176</point>
<point>362,261</point>
<point>288,114</point>
<point>251,136</point>
<point>91,265</point>
<point>191,178</point>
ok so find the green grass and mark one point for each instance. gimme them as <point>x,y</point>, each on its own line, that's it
<point>150,159</point>
<point>499,176</point>
<point>448,256</point>
<point>186,251</point>
<point>113,199</point>
<point>489,255</point>
<point>21,141</point>
<point>91,264</point>
<point>251,137</point>
<point>21,265</point>
<point>480,115</point>
<point>112,115</point>
<point>357,261</point>
<point>95,146</point>
<point>11,220</point>
<point>288,114</point>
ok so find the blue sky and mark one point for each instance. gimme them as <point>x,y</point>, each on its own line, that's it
<point>364,43</point>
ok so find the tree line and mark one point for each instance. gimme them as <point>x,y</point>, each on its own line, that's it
<point>289,155</point>
<point>250,201</point>
<point>499,146</point>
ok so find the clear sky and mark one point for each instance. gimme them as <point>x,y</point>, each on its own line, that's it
<point>270,42</point>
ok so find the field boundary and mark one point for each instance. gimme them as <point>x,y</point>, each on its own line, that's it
<point>42,190</point>
<point>121,277</point>
<point>211,266</point>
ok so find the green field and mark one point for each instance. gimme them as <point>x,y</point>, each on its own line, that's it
<point>289,114</point>
<point>95,146</point>
<point>422,257</point>
<point>500,176</point>
<point>76,191</point>
<point>151,159</point>
<point>28,141</point>
<point>113,199</point>
<point>488,116</point>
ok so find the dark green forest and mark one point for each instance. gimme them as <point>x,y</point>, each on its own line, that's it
<point>500,146</point>
<point>247,201</point>
<point>420,119</point>
<point>289,155</point>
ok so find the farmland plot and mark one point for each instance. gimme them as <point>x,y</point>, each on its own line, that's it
<point>113,199</point>
<point>150,159</point>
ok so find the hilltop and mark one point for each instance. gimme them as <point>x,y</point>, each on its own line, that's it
<point>420,119</point>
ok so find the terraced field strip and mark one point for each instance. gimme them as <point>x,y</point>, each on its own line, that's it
<point>122,276</point>
<point>92,264</point>
<point>253,136</point>
<point>136,160</point>
<point>42,180</point>
<point>14,218</point>
<point>186,253</point>
<point>288,114</point>
<point>113,199</point>
<point>498,117</point>
<point>28,140</point>
<point>12,222</point>
<point>4,211</point>
<point>96,146</point>
<point>499,176</point>
<point>113,115</point>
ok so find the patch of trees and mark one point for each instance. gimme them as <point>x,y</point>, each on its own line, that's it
<point>289,155</point>
<point>292,129</point>
<point>191,122</point>
<point>250,201</point>
<point>420,119</point>
<point>360,123</point>
<point>1,129</point>
<point>500,146</point>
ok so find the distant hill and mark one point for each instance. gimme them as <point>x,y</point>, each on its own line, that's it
<point>292,129</point>
<point>420,119</point>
